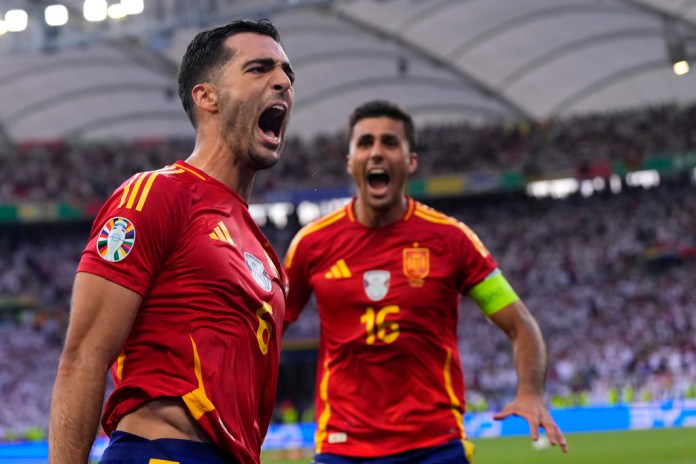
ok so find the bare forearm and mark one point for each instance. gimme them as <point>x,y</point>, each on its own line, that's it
<point>530,358</point>
<point>75,411</point>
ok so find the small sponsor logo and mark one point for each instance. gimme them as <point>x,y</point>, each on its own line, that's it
<point>221,234</point>
<point>338,271</point>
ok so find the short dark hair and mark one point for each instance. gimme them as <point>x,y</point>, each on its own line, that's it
<point>384,108</point>
<point>206,54</point>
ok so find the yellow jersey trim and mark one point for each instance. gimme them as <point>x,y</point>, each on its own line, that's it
<point>439,218</point>
<point>310,228</point>
<point>456,404</point>
<point>132,192</point>
<point>323,419</point>
<point>196,400</point>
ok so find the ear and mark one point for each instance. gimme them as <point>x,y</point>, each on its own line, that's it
<point>349,163</point>
<point>205,97</point>
<point>412,162</point>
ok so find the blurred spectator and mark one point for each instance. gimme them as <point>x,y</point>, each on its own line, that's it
<point>609,278</point>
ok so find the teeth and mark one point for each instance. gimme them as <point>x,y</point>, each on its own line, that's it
<point>278,107</point>
<point>377,171</point>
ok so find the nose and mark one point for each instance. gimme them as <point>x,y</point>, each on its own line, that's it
<point>281,81</point>
<point>376,151</point>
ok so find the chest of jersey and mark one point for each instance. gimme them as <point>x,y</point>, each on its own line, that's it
<point>377,285</point>
<point>220,266</point>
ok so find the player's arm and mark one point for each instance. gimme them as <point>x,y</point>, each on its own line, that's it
<point>298,287</point>
<point>101,317</point>
<point>500,303</point>
<point>297,297</point>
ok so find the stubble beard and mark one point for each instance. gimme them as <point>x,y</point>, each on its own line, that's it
<point>235,118</point>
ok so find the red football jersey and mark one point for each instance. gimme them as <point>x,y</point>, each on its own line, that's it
<point>389,376</point>
<point>208,329</point>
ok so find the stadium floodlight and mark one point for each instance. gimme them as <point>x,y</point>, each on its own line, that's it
<point>16,20</point>
<point>95,10</point>
<point>133,7</point>
<point>116,11</point>
<point>56,15</point>
<point>681,67</point>
<point>3,27</point>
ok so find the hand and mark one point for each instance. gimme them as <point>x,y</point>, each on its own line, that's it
<point>533,410</point>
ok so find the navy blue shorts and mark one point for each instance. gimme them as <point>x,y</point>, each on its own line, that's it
<point>126,448</point>
<point>449,453</point>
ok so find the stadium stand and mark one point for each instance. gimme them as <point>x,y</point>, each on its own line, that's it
<point>609,276</point>
<point>82,171</point>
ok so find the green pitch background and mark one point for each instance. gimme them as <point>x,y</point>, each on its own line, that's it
<point>663,446</point>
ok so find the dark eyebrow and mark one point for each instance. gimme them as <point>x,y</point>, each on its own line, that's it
<point>365,138</point>
<point>269,63</point>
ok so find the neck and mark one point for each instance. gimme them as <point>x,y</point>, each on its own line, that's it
<point>217,161</point>
<point>379,217</point>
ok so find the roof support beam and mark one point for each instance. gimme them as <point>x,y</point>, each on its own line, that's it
<point>568,102</point>
<point>486,90</point>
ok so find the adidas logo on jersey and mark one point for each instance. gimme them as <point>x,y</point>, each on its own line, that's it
<point>338,271</point>
<point>221,233</point>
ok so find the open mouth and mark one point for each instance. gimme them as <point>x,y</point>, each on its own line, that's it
<point>271,121</point>
<point>378,178</point>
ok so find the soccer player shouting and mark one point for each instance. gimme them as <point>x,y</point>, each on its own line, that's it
<point>388,273</point>
<point>178,290</point>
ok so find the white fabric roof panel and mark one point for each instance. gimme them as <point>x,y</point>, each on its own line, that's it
<point>445,60</point>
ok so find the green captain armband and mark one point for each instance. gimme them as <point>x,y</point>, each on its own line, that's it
<point>493,293</point>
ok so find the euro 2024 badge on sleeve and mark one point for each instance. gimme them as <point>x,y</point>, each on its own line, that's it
<point>116,239</point>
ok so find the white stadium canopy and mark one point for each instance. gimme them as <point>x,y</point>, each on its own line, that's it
<point>445,60</point>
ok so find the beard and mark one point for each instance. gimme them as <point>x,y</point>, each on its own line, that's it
<point>238,126</point>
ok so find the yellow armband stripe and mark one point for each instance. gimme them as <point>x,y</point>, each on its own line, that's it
<point>493,294</point>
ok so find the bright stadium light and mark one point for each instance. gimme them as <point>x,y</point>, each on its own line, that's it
<point>16,20</point>
<point>278,214</point>
<point>646,179</point>
<point>3,27</point>
<point>307,212</point>
<point>116,11</point>
<point>557,188</point>
<point>258,212</point>
<point>681,67</point>
<point>615,183</point>
<point>133,7</point>
<point>56,15</point>
<point>586,188</point>
<point>95,10</point>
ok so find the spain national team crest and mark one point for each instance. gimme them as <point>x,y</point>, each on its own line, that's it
<point>376,284</point>
<point>258,272</point>
<point>116,239</point>
<point>416,265</point>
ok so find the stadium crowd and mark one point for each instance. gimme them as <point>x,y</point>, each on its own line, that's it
<point>77,171</point>
<point>608,277</point>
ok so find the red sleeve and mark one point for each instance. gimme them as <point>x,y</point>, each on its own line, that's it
<point>299,286</point>
<point>476,259</point>
<point>134,231</point>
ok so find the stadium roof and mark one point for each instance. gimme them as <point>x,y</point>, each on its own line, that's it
<point>445,60</point>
